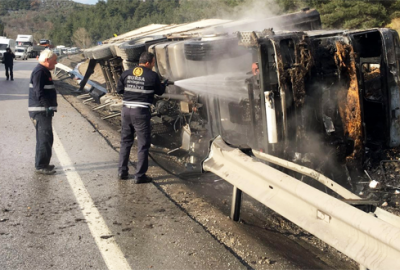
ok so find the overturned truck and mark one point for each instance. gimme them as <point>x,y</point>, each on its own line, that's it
<point>279,105</point>
<point>328,100</point>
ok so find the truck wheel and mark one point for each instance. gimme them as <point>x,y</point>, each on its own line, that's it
<point>131,50</point>
<point>128,64</point>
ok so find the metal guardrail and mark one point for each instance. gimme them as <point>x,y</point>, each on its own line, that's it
<point>367,239</point>
<point>346,194</point>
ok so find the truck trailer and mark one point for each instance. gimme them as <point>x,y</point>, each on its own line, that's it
<point>27,42</point>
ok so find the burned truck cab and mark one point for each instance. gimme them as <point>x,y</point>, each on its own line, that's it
<point>328,99</point>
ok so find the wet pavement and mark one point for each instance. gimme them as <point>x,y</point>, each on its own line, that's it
<point>83,217</point>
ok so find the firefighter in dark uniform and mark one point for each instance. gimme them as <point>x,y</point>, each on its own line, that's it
<point>138,87</point>
<point>42,105</point>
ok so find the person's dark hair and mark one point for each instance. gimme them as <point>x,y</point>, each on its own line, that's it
<point>8,50</point>
<point>146,57</point>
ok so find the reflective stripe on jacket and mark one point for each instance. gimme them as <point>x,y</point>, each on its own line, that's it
<point>41,109</point>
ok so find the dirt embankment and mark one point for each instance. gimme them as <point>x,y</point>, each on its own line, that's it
<point>79,60</point>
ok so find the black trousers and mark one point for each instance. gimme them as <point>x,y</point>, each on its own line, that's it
<point>9,68</point>
<point>44,139</point>
<point>135,120</point>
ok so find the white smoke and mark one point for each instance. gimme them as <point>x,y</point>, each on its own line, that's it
<point>256,10</point>
<point>251,15</point>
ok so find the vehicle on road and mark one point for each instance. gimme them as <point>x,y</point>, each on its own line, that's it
<point>73,50</point>
<point>21,53</point>
<point>46,43</point>
<point>27,42</point>
<point>6,43</point>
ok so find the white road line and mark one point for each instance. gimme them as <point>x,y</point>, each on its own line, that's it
<point>109,249</point>
<point>15,95</point>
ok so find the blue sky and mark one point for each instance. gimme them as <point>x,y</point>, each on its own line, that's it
<point>92,2</point>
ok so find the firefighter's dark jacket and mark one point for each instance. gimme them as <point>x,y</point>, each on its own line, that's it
<point>42,92</point>
<point>139,86</point>
<point>8,58</point>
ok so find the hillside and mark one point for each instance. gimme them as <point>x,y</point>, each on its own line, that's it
<point>69,23</point>
<point>34,17</point>
<point>118,16</point>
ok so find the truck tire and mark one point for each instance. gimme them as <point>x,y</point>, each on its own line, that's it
<point>131,50</point>
<point>128,64</point>
<point>199,50</point>
<point>102,52</point>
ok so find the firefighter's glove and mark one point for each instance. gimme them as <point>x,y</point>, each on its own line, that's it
<point>49,112</point>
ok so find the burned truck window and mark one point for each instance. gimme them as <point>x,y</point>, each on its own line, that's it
<point>371,74</point>
<point>368,44</point>
<point>368,52</point>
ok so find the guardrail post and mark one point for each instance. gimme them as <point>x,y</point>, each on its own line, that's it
<point>236,203</point>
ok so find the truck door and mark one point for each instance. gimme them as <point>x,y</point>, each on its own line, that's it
<point>377,54</point>
<point>391,49</point>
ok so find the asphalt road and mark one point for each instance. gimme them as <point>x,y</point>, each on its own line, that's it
<point>83,217</point>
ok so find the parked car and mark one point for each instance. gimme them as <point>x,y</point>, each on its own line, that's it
<point>21,53</point>
<point>73,50</point>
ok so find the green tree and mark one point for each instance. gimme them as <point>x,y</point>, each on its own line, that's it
<point>81,38</point>
<point>353,14</point>
<point>1,29</point>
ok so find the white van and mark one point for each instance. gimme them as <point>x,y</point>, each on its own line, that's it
<point>6,43</point>
<point>73,50</point>
<point>21,53</point>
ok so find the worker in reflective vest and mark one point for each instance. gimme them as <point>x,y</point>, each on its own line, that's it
<point>138,86</point>
<point>42,105</point>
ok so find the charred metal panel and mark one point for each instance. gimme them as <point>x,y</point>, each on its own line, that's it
<point>267,76</point>
<point>294,62</point>
<point>349,102</point>
<point>301,68</point>
<point>392,47</point>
